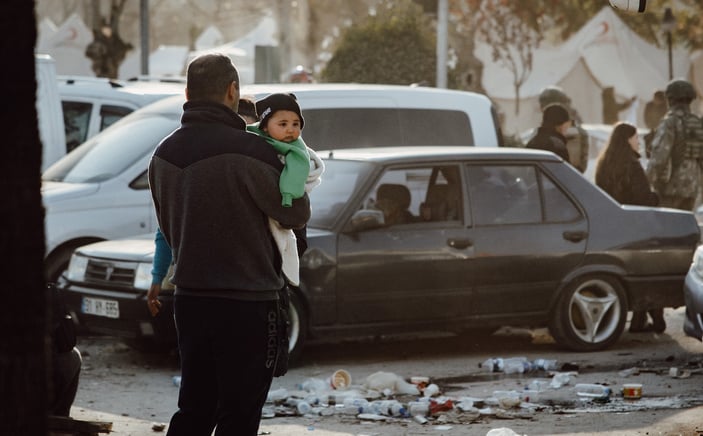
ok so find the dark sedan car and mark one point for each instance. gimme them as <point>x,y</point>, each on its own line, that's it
<point>446,239</point>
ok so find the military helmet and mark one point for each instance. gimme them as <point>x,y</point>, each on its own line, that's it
<point>553,94</point>
<point>680,89</point>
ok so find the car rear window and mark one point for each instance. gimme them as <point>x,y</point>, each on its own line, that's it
<point>374,127</point>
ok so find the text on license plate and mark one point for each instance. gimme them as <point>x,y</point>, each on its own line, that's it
<point>101,307</point>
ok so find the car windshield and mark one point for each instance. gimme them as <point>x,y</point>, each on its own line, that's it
<point>114,150</point>
<point>339,182</point>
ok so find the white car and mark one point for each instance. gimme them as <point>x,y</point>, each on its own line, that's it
<point>99,191</point>
<point>91,104</point>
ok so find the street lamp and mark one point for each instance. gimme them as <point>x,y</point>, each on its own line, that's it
<point>668,25</point>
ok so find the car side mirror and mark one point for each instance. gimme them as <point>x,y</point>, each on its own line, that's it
<point>365,219</point>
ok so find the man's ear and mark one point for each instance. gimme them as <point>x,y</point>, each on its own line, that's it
<point>233,91</point>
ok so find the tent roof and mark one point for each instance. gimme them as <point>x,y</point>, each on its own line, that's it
<point>614,55</point>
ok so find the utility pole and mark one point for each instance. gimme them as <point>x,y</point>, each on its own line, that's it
<point>144,35</point>
<point>442,25</point>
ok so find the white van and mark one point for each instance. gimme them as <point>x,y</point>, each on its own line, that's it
<point>100,191</point>
<point>49,113</point>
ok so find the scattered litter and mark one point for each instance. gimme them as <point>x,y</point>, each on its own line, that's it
<point>176,381</point>
<point>371,417</point>
<point>560,379</point>
<point>442,427</point>
<point>632,391</point>
<point>430,390</point>
<point>420,419</point>
<point>379,381</point>
<point>503,431</point>
<point>628,372</point>
<point>158,427</point>
<point>341,379</point>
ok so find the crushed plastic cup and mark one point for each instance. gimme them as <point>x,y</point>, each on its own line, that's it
<point>341,379</point>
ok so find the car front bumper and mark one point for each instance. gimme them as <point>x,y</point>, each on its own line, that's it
<point>129,319</point>
<point>693,296</point>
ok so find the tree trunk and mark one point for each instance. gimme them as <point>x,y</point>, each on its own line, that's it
<point>23,357</point>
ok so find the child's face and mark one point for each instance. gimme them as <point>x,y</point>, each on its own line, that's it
<point>283,126</point>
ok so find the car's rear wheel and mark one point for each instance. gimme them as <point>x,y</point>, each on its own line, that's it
<point>590,314</point>
<point>298,328</point>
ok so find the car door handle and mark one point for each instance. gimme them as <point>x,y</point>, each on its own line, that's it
<point>460,243</point>
<point>576,236</point>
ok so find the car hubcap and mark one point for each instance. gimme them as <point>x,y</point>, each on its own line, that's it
<point>594,311</point>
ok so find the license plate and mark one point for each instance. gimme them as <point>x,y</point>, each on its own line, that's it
<point>101,307</point>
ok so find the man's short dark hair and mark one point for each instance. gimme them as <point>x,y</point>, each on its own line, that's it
<point>209,76</point>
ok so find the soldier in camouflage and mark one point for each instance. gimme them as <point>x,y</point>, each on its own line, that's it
<point>576,136</point>
<point>674,169</point>
<point>676,163</point>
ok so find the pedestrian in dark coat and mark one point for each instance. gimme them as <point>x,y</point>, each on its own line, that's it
<point>551,135</point>
<point>214,186</point>
<point>619,171</point>
<point>620,174</point>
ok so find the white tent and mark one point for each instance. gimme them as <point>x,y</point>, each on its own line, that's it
<point>604,52</point>
<point>208,38</point>
<point>242,50</point>
<point>66,44</point>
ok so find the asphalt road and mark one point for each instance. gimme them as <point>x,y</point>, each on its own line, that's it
<point>135,391</point>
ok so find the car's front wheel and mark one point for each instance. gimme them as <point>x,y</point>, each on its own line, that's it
<point>590,314</point>
<point>298,328</point>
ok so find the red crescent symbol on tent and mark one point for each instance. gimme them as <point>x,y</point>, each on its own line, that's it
<point>605,27</point>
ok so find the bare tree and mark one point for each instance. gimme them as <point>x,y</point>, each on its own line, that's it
<point>23,353</point>
<point>511,36</point>
<point>108,50</point>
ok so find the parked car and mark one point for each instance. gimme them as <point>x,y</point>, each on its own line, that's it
<point>418,239</point>
<point>99,191</point>
<point>91,104</point>
<point>693,296</point>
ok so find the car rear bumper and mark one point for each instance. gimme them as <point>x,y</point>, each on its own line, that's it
<point>650,292</point>
<point>693,295</point>
<point>134,320</point>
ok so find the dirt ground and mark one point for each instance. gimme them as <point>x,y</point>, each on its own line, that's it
<point>136,392</point>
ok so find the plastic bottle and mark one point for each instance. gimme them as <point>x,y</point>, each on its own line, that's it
<point>592,390</point>
<point>545,364</point>
<point>538,385</point>
<point>493,364</point>
<point>177,381</point>
<point>314,385</point>
<point>418,408</point>
<point>354,406</point>
<point>303,407</point>
<point>516,365</point>
<point>398,409</point>
<point>277,395</point>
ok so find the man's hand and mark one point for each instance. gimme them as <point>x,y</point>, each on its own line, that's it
<point>152,299</point>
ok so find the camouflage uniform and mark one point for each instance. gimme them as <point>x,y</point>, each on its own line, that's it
<point>576,136</point>
<point>674,174</point>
